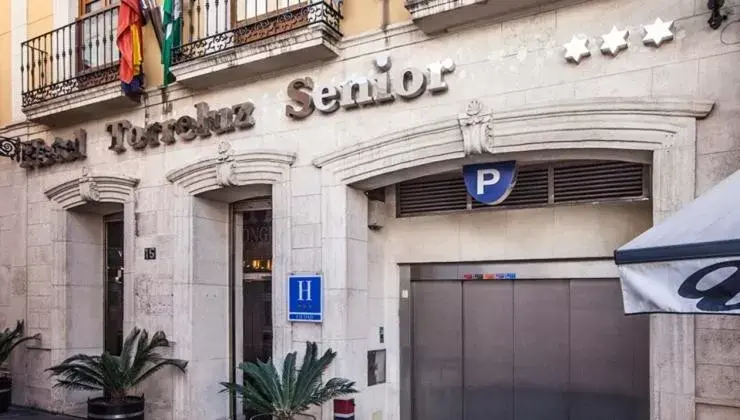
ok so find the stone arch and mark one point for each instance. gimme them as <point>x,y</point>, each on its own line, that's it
<point>88,189</point>
<point>664,126</point>
<point>660,131</point>
<point>231,169</point>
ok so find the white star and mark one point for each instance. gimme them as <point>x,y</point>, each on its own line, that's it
<point>576,49</point>
<point>658,32</point>
<point>614,41</point>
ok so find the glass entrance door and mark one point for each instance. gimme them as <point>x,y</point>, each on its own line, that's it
<point>257,285</point>
<point>252,283</point>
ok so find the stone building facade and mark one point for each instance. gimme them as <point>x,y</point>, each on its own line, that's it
<point>472,83</point>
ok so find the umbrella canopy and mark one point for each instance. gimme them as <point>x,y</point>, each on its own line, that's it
<point>690,262</point>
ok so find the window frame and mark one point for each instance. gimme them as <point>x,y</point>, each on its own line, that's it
<point>235,23</point>
<point>82,16</point>
<point>81,5</point>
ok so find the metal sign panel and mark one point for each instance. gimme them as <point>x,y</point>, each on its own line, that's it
<point>490,183</point>
<point>305,298</point>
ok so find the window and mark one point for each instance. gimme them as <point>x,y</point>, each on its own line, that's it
<point>249,11</point>
<point>96,34</point>
<point>91,6</point>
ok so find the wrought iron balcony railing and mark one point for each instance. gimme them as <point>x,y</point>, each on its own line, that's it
<point>214,26</point>
<point>72,58</point>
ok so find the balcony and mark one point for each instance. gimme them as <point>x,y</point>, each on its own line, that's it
<point>236,39</point>
<point>68,73</point>
<point>434,16</point>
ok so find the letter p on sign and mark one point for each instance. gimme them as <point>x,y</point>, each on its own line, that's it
<point>486,177</point>
<point>490,183</point>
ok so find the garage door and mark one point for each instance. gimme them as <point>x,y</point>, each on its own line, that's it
<point>536,349</point>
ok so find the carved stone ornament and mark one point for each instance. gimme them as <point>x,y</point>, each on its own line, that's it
<point>226,167</point>
<point>88,188</point>
<point>614,42</point>
<point>576,49</point>
<point>475,125</point>
<point>658,32</point>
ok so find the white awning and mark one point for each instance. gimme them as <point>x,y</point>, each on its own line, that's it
<point>690,262</point>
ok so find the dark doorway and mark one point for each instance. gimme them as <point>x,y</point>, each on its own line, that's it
<point>113,305</point>
<point>251,321</point>
<point>257,285</point>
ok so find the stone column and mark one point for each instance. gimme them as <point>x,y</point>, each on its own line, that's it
<point>281,267</point>
<point>201,308</point>
<point>672,355</point>
<point>344,235</point>
<point>23,259</point>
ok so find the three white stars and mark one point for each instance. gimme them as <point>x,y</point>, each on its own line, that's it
<point>612,43</point>
<point>658,32</point>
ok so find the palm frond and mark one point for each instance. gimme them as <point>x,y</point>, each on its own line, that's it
<point>232,388</point>
<point>257,400</point>
<point>116,374</point>
<point>265,378</point>
<point>289,377</point>
<point>74,385</point>
<point>306,380</point>
<point>128,346</point>
<point>181,365</point>
<point>335,387</point>
<point>295,390</point>
<point>10,339</point>
<point>84,373</point>
<point>309,378</point>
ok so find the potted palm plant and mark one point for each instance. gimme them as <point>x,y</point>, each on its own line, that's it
<point>116,376</point>
<point>9,340</point>
<point>289,394</point>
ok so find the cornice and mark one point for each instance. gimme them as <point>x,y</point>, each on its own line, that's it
<point>667,107</point>
<point>92,188</point>
<point>600,123</point>
<point>230,168</point>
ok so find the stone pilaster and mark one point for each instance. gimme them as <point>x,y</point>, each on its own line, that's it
<point>345,264</point>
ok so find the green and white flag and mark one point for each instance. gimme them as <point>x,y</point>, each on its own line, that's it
<point>172,22</point>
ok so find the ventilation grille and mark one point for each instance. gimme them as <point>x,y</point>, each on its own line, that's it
<point>425,195</point>
<point>536,186</point>
<point>598,181</point>
<point>531,189</point>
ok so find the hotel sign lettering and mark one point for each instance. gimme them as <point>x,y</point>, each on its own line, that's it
<point>407,84</point>
<point>306,97</point>
<point>186,128</point>
<point>36,153</point>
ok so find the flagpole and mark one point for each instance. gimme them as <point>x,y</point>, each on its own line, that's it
<point>155,17</point>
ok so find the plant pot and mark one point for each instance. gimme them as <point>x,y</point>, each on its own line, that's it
<point>103,408</point>
<point>6,390</point>
<point>271,417</point>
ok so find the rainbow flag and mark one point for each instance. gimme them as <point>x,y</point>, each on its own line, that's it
<point>128,39</point>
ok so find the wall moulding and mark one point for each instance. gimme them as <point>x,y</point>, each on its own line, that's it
<point>93,189</point>
<point>645,124</point>
<point>231,168</point>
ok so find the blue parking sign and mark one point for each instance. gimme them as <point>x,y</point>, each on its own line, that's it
<point>490,183</point>
<point>305,297</point>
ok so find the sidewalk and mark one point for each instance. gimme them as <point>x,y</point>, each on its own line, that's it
<point>26,414</point>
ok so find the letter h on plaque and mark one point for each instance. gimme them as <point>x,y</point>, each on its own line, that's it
<point>305,298</point>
